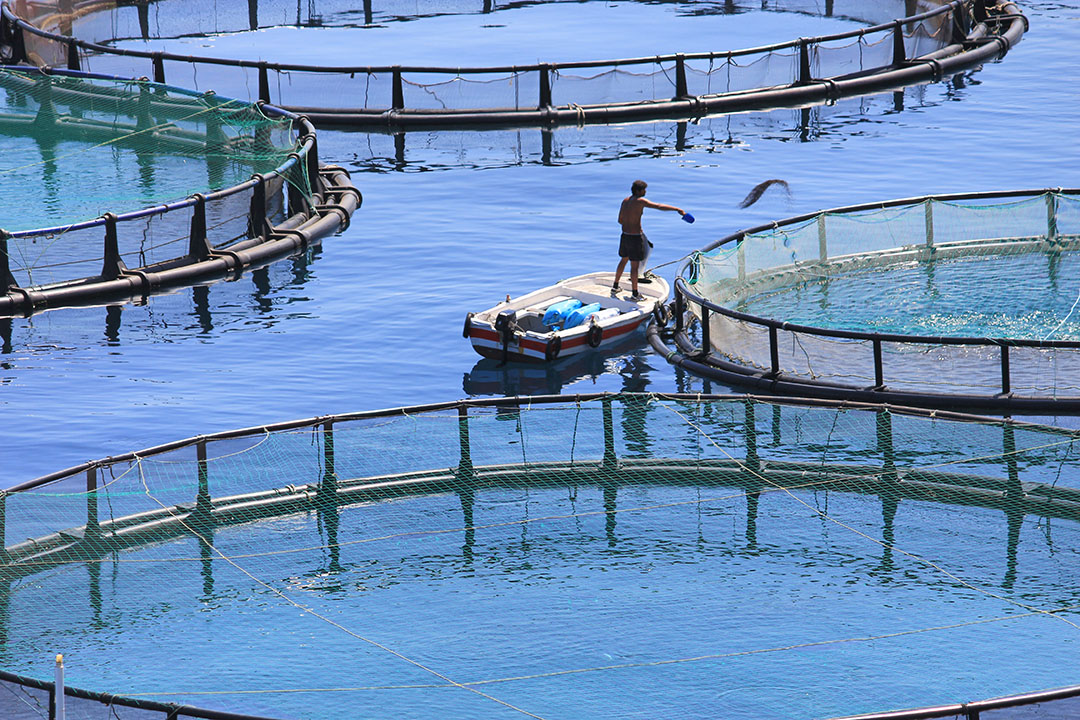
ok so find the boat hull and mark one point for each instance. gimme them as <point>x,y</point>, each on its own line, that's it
<point>486,342</point>
<point>513,331</point>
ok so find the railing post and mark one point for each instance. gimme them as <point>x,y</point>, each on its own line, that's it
<point>681,92</point>
<point>805,76</point>
<point>216,141</point>
<point>327,494</point>
<point>774,351</point>
<point>73,55</point>
<point>823,245</point>
<point>740,258</point>
<point>879,369</point>
<point>899,54</point>
<point>610,460</point>
<point>465,464</point>
<point>202,499</point>
<point>7,280</point>
<point>159,69</point>
<point>706,339</point>
<point>93,525</point>
<point>46,113</point>
<point>680,309</point>
<point>298,201</point>
<point>11,36</point>
<point>398,90</point>
<point>961,24</point>
<point>143,120</point>
<point>1006,380</point>
<point>264,83</point>
<point>885,444</point>
<point>3,527</point>
<point>1051,217</point>
<point>979,11</point>
<point>545,87</point>
<point>257,212</point>
<point>928,211</point>
<point>57,697</point>
<point>198,243</point>
<point>1008,445</point>
<point>314,181</point>
<point>113,266</point>
<point>753,461</point>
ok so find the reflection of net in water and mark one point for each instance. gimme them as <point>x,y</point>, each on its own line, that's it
<point>907,279</point>
<point>625,557</point>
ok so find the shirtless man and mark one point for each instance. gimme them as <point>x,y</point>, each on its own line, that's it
<point>633,245</point>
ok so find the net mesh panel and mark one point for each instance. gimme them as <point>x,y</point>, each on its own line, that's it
<point>797,273</point>
<point>126,145</point>
<point>315,525</point>
<point>428,91</point>
<point>602,85</point>
<point>23,703</point>
<point>296,88</point>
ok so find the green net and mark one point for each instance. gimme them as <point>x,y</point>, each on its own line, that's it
<point>129,145</point>
<point>126,145</point>
<point>623,556</point>
<point>981,268</point>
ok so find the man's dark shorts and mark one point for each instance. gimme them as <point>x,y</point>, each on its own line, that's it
<point>633,247</point>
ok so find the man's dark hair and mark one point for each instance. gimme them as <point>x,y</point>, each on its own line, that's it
<point>637,188</point>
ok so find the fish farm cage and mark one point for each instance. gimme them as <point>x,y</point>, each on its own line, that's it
<point>268,196</point>
<point>462,559</point>
<point>932,39</point>
<point>965,300</point>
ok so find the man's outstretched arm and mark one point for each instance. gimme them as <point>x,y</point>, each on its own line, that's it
<point>662,206</point>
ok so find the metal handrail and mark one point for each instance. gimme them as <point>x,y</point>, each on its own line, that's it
<point>518,401</point>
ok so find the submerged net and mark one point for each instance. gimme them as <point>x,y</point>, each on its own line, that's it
<point>126,145</point>
<point>620,556</point>
<point>989,269</point>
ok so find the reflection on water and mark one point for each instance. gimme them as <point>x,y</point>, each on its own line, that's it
<point>259,300</point>
<point>474,149</point>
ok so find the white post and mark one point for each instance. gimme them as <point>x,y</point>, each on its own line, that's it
<point>58,692</point>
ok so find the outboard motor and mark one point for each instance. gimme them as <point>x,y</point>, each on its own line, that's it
<point>505,326</point>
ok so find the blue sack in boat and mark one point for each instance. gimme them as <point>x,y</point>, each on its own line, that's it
<point>556,314</point>
<point>580,315</point>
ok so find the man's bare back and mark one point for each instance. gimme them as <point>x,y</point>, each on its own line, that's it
<point>633,246</point>
<point>631,209</point>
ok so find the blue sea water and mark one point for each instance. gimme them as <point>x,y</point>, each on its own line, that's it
<point>460,219</point>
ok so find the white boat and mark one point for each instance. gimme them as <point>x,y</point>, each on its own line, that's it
<point>514,330</point>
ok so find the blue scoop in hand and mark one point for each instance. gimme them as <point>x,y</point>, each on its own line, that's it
<point>688,217</point>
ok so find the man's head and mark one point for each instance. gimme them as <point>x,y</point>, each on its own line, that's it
<point>637,188</point>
